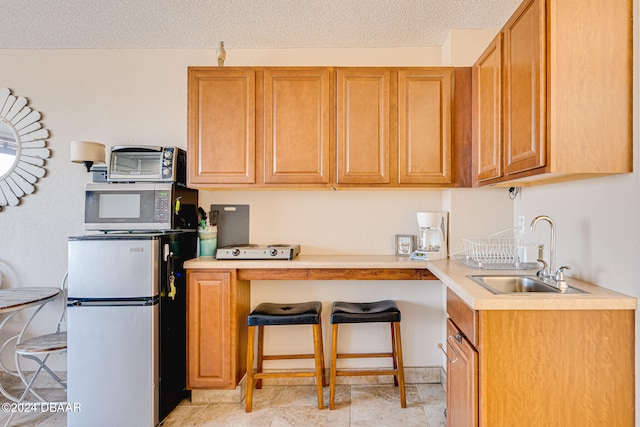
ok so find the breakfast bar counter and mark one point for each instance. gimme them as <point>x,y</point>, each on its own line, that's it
<point>322,267</point>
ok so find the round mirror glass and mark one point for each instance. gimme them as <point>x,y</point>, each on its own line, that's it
<point>23,148</point>
<point>8,148</point>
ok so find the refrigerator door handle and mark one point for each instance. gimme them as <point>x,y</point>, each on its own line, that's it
<point>169,286</point>
<point>112,302</point>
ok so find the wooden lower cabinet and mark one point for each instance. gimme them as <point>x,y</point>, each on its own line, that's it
<point>217,309</point>
<point>545,367</point>
<point>462,379</point>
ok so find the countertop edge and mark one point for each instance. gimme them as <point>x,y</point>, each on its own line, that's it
<point>453,274</point>
<point>311,261</point>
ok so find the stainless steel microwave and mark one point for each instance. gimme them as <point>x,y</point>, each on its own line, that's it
<point>147,163</point>
<point>139,207</point>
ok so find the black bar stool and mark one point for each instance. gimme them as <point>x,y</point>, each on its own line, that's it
<point>270,314</point>
<point>367,312</point>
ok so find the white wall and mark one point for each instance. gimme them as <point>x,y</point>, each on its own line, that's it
<point>596,228</point>
<point>461,47</point>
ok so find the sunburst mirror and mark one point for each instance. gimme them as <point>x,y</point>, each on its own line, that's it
<point>22,148</point>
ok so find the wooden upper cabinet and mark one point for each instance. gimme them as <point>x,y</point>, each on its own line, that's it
<point>221,123</point>
<point>425,126</point>
<point>487,109</point>
<point>590,86</point>
<point>394,126</point>
<point>524,88</point>
<point>567,94</point>
<point>322,126</point>
<point>362,122</point>
<point>297,130</point>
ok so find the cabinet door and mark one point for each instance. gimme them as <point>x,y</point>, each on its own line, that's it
<point>525,88</point>
<point>424,126</point>
<point>487,110</point>
<point>221,115</point>
<point>210,362</point>
<point>297,136</point>
<point>362,100</point>
<point>462,379</point>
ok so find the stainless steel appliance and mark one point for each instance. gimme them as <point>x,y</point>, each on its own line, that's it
<point>147,163</point>
<point>250,251</point>
<point>126,327</point>
<point>139,207</point>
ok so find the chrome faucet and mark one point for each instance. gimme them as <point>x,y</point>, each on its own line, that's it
<point>548,273</point>
<point>552,247</point>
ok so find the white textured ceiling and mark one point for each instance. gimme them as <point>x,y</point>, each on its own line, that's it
<point>259,24</point>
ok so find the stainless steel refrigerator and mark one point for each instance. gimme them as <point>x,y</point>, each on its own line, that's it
<point>126,327</point>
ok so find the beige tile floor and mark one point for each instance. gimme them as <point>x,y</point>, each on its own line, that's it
<point>296,406</point>
<point>283,406</point>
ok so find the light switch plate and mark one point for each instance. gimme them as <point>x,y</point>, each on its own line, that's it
<point>521,225</point>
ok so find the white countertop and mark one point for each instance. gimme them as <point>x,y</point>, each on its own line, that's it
<point>453,274</point>
<point>313,261</point>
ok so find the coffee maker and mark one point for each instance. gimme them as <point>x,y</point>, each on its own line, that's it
<point>432,236</point>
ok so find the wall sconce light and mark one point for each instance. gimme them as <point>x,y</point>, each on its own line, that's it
<point>87,153</point>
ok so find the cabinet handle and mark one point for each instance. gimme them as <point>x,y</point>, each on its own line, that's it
<point>441,347</point>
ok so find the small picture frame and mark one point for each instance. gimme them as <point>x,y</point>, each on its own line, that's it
<point>405,244</point>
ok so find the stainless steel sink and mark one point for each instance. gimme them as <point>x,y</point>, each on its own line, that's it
<point>516,284</point>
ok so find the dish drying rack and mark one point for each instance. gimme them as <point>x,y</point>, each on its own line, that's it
<point>493,253</point>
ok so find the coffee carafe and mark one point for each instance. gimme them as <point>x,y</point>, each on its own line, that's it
<point>432,243</point>
<point>430,239</point>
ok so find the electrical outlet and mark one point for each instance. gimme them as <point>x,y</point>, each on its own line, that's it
<point>521,224</point>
